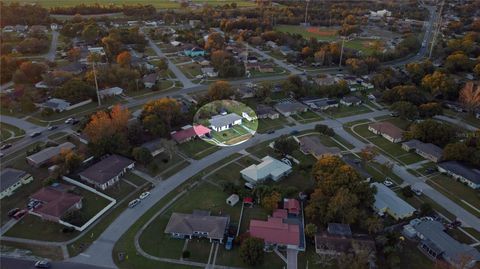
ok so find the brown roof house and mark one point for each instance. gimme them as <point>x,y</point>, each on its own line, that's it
<point>107,172</point>
<point>312,145</point>
<point>48,155</point>
<point>198,224</point>
<point>56,201</point>
<point>386,129</point>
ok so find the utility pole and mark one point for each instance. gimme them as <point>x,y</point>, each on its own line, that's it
<point>306,12</point>
<point>439,25</point>
<point>341,51</point>
<point>96,84</point>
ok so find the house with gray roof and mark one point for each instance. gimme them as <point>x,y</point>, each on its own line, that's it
<point>12,179</point>
<point>291,107</point>
<point>269,168</point>
<point>462,172</point>
<point>350,101</point>
<point>56,104</point>
<point>427,150</point>
<point>199,224</point>
<point>225,121</point>
<point>264,111</point>
<point>312,145</point>
<point>436,243</point>
<point>387,201</point>
<point>48,155</point>
<point>107,172</point>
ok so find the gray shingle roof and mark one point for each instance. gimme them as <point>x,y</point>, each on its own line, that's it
<point>10,176</point>
<point>45,155</point>
<point>428,148</point>
<point>106,169</point>
<point>224,120</point>
<point>182,223</point>
<point>466,171</point>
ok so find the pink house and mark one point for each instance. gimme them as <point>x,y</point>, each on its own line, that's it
<point>292,205</point>
<point>189,133</point>
<point>276,232</point>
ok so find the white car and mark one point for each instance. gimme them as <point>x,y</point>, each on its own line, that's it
<point>388,183</point>
<point>133,203</point>
<point>69,120</point>
<point>144,195</point>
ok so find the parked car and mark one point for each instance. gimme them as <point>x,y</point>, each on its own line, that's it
<point>75,121</point>
<point>20,214</point>
<point>294,132</point>
<point>69,120</point>
<point>53,127</point>
<point>388,182</point>
<point>33,204</point>
<point>5,146</point>
<point>249,186</point>
<point>429,171</point>
<point>417,191</point>
<point>42,264</point>
<point>133,203</point>
<point>35,134</point>
<point>144,195</point>
<point>271,132</point>
<point>12,212</point>
<point>229,244</point>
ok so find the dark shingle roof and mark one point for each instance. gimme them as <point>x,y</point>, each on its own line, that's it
<point>10,176</point>
<point>106,169</point>
<point>466,171</point>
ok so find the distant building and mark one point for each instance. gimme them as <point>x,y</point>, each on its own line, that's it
<point>154,147</point>
<point>436,244</point>
<point>209,72</point>
<point>386,129</point>
<point>190,132</point>
<point>292,206</point>
<point>245,92</point>
<point>56,104</point>
<point>224,122</point>
<point>387,201</point>
<point>269,168</point>
<point>285,50</point>
<point>350,101</point>
<point>326,80</point>
<point>312,145</point>
<point>150,80</point>
<point>113,91</point>
<point>48,155</point>
<point>462,172</point>
<point>427,150</point>
<point>12,179</point>
<point>338,239</point>
<point>289,108</point>
<point>56,201</point>
<point>107,172</point>
<point>320,103</point>
<point>264,111</point>
<point>194,52</point>
<point>199,224</point>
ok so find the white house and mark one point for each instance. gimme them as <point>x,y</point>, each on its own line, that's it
<point>269,168</point>
<point>224,122</point>
<point>12,179</point>
<point>248,117</point>
<point>114,91</point>
<point>387,201</point>
<point>461,172</point>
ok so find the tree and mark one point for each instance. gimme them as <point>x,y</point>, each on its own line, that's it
<point>220,90</point>
<point>124,58</point>
<point>476,70</point>
<point>439,83</point>
<point>405,110</point>
<point>162,65</point>
<point>285,144</point>
<point>264,90</point>
<point>104,125</point>
<point>357,66</point>
<point>159,116</point>
<point>368,153</point>
<point>29,72</point>
<point>91,33</point>
<point>407,191</point>
<point>373,224</point>
<point>73,54</point>
<point>32,46</point>
<point>142,155</point>
<point>417,70</point>
<point>324,129</point>
<point>457,61</point>
<point>310,230</point>
<point>470,96</point>
<point>431,131</point>
<point>457,152</point>
<point>429,110</point>
<point>270,202</point>
<point>70,160</point>
<point>169,146</point>
<point>215,41</point>
<point>74,91</point>
<point>251,251</point>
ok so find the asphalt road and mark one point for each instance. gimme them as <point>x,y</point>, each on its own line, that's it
<point>17,263</point>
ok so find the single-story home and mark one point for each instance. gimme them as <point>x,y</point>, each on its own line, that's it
<point>75,68</point>
<point>312,145</point>
<point>271,44</point>
<point>154,147</point>
<point>386,129</point>
<point>150,80</point>
<point>350,101</point>
<point>319,103</point>
<point>48,155</point>
<point>264,111</point>
<point>269,168</point>
<point>194,52</point>
<point>245,92</point>
<point>325,80</point>
<point>462,172</point>
<point>189,132</point>
<point>56,104</point>
<point>427,150</point>
<point>387,201</point>
<point>373,96</point>
<point>436,243</point>
<point>114,91</point>
<point>107,172</point>
<point>56,201</point>
<point>338,239</point>
<point>224,121</point>
<point>209,72</point>
<point>12,179</point>
<point>201,61</point>
<point>289,108</point>
<point>285,50</point>
<point>199,224</point>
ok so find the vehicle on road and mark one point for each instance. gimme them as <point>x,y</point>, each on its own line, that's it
<point>144,195</point>
<point>417,191</point>
<point>388,182</point>
<point>35,134</point>
<point>75,121</point>
<point>5,146</point>
<point>42,264</point>
<point>133,203</point>
<point>294,132</point>
<point>53,127</point>
<point>271,132</point>
<point>12,212</point>
<point>69,120</point>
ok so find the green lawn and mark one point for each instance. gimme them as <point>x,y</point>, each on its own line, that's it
<point>8,131</point>
<point>197,148</point>
<point>119,190</point>
<point>137,180</point>
<point>265,125</point>
<point>191,70</point>
<point>345,111</point>
<point>307,117</point>
<point>162,164</point>
<point>231,136</point>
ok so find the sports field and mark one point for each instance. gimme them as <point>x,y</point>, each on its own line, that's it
<point>158,3</point>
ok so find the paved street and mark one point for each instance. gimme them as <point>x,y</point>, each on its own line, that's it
<point>17,263</point>
<point>50,56</point>
<point>20,123</point>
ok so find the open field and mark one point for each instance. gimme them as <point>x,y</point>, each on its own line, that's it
<point>8,131</point>
<point>158,4</point>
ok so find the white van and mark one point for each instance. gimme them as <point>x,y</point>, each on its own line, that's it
<point>133,203</point>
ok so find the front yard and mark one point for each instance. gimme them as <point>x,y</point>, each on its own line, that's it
<point>345,111</point>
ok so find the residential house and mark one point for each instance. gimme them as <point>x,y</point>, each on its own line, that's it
<point>75,68</point>
<point>387,201</point>
<point>271,44</point>
<point>48,155</point>
<point>373,96</point>
<point>245,92</point>
<point>437,244</point>
<point>264,111</point>
<point>225,121</point>
<point>194,23</point>
<point>289,108</point>
<point>12,179</point>
<point>461,172</point>
<point>176,43</point>
<point>319,103</point>
<point>56,104</point>
<point>209,72</point>
<point>350,101</point>
<point>325,80</point>
<point>269,168</point>
<point>249,117</point>
<point>199,224</point>
<point>427,150</point>
<point>8,29</point>
<point>139,62</point>
<point>38,28</point>
<point>338,239</point>
<point>194,52</point>
<point>386,129</point>
<point>312,145</point>
<point>55,202</point>
<point>154,147</point>
<point>190,132</point>
<point>266,68</point>
<point>150,80</point>
<point>96,50</point>
<point>113,91</point>
<point>107,172</point>
<point>201,61</point>
<point>21,28</point>
<point>285,50</point>
<point>292,206</point>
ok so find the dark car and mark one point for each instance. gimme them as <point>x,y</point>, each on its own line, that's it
<point>75,121</point>
<point>5,146</point>
<point>271,132</point>
<point>294,132</point>
<point>12,212</point>
<point>42,264</point>
<point>53,127</point>
<point>20,214</point>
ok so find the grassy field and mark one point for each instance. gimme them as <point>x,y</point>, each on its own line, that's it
<point>345,111</point>
<point>265,125</point>
<point>197,148</point>
<point>8,131</point>
<point>160,4</point>
<point>307,117</point>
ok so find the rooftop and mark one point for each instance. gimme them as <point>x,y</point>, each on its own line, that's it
<point>199,221</point>
<point>469,172</point>
<point>56,201</point>
<point>10,176</point>
<point>196,130</point>
<point>268,167</point>
<point>224,120</point>
<point>313,145</point>
<point>106,169</point>
<point>275,231</point>
<point>427,148</point>
<point>387,128</point>
<point>50,152</point>
<point>386,198</point>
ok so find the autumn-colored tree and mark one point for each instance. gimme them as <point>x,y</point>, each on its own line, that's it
<point>124,58</point>
<point>310,230</point>
<point>73,54</point>
<point>457,61</point>
<point>158,116</point>
<point>476,70</point>
<point>439,83</point>
<point>270,202</point>
<point>470,96</point>
<point>368,153</point>
<point>215,41</point>
<point>357,66</point>
<point>220,90</point>
<point>307,52</point>
<point>29,72</point>
<point>373,224</point>
<point>103,124</point>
